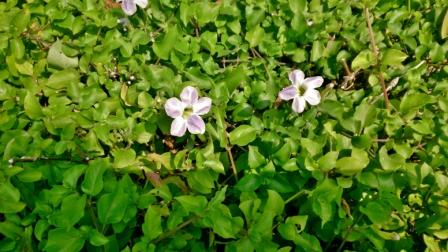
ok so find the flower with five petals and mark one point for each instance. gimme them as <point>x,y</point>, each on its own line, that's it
<point>187,111</point>
<point>302,91</point>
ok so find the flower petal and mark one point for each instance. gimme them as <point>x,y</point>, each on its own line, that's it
<point>298,104</point>
<point>142,3</point>
<point>202,106</point>
<point>288,93</point>
<point>178,127</point>
<point>174,107</point>
<point>189,95</point>
<point>296,77</point>
<point>129,7</point>
<point>313,82</point>
<point>195,125</point>
<point>312,96</point>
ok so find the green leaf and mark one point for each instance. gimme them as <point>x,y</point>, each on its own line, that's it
<point>10,196</point>
<point>444,28</point>
<point>112,207</point>
<point>57,58</point>
<point>275,203</point>
<point>255,36</point>
<point>223,223</point>
<point>413,101</point>
<point>72,175</point>
<point>354,164</point>
<point>152,226</point>
<point>393,57</point>
<point>25,68</point>
<point>392,162</point>
<point>32,106</point>
<point>328,161</point>
<point>72,210</point>
<point>163,47</point>
<point>30,175</point>
<point>63,79</point>
<point>17,48</point>
<point>215,165</point>
<point>195,204</point>
<point>123,158</point>
<point>378,212</point>
<point>11,230</point>
<point>363,60</point>
<point>67,240</point>
<point>249,183</point>
<point>97,239</point>
<point>242,135</point>
<point>255,158</point>
<point>93,180</point>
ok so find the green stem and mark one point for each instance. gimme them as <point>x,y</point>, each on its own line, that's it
<point>298,194</point>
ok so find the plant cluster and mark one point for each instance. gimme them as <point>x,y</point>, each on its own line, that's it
<point>98,154</point>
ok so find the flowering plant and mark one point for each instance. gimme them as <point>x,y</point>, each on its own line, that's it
<point>187,112</point>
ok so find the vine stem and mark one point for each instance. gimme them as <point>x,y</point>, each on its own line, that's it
<point>232,162</point>
<point>298,194</point>
<point>376,52</point>
<point>174,230</point>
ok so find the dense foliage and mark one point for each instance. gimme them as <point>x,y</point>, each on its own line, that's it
<point>88,162</point>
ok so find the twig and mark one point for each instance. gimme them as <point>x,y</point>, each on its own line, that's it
<point>174,230</point>
<point>376,54</point>
<point>349,230</point>
<point>232,162</point>
<point>12,161</point>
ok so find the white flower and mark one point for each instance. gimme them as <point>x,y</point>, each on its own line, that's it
<point>130,6</point>
<point>302,90</point>
<point>187,111</point>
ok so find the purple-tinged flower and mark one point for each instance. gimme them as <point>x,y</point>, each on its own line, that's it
<point>187,111</point>
<point>302,90</point>
<point>130,6</point>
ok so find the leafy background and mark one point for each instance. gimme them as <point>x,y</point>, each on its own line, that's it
<point>88,163</point>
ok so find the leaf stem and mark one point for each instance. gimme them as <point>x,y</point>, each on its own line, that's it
<point>174,230</point>
<point>376,54</point>
<point>298,194</point>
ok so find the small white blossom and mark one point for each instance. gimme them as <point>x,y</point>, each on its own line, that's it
<point>187,111</point>
<point>302,90</point>
<point>130,6</point>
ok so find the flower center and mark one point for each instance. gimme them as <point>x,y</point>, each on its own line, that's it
<point>301,89</point>
<point>187,112</point>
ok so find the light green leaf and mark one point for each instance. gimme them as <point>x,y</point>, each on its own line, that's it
<point>93,180</point>
<point>152,226</point>
<point>57,58</point>
<point>32,106</point>
<point>393,57</point>
<point>123,157</point>
<point>444,29</point>
<point>255,36</point>
<point>195,204</point>
<point>163,47</point>
<point>355,163</point>
<point>363,60</point>
<point>63,79</point>
<point>25,68</point>
<point>255,158</point>
<point>242,135</point>
<point>390,162</point>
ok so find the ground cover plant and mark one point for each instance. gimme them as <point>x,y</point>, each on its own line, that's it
<point>223,125</point>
